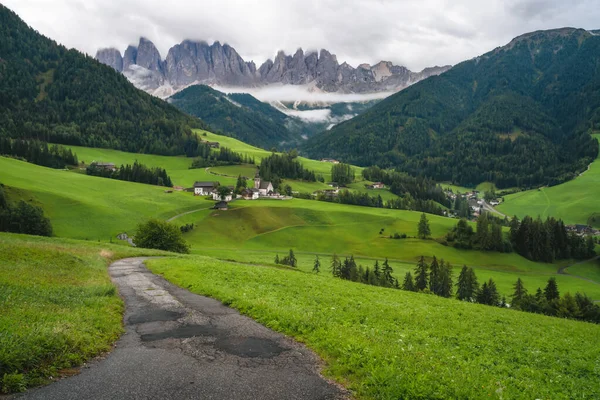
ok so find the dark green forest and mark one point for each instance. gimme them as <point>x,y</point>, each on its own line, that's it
<point>53,94</point>
<point>238,115</point>
<point>519,115</point>
<point>277,167</point>
<point>22,217</point>
<point>133,173</point>
<point>37,152</point>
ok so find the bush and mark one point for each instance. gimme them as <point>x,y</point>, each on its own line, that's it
<point>13,383</point>
<point>157,234</point>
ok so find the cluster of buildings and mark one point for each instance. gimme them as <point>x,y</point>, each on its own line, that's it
<point>583,230</point>
<point>261,189</point>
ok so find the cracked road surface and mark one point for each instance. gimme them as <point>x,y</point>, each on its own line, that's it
<point>179,345</point>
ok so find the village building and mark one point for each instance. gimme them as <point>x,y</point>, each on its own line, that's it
<point>250,194</point>
<point>376,185</point>
<point>205,188</point>
<point>104,166</point>
<point>265,188</point>
<point>214,145</point>
<point>216,196</point>
<point>330,160</point>
<point>221,205</point>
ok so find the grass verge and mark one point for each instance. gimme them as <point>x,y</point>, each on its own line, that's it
<point>58,307</point>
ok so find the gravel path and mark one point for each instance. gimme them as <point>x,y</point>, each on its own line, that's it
<point>179,345</point>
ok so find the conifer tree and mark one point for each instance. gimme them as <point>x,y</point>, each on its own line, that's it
<point>408,283</point>
<point>423,228</point>
<point>467,286</point>
<point>434,272</point>
<point>421,274</point>
<point>519,292</point>
<point>551,290</point>
<point>388,279</point>
<point>445,283</point>
<point>277,259</point>
<point>377,273</point>
<point>317,266</point>
<point>336,266</point>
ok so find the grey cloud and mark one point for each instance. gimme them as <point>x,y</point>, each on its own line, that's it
<point>415,33</point>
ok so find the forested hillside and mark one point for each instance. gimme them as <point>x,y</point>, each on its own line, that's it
<point>519,115</point>
<point>53,94</point>
<point>239,115</point>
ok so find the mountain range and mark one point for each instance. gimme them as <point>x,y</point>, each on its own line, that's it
<point>197,62</point>
<point>519,116</point>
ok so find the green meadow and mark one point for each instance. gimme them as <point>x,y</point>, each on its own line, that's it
<point>88,207</point>
<point>574,201</point>
<point>390,344</point>
<point>58,307</point>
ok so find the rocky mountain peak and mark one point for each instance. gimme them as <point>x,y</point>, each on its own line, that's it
<point>111,57</point>
<point>193,62</point>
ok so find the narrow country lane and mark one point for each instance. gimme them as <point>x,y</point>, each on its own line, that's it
<point>179,345</point>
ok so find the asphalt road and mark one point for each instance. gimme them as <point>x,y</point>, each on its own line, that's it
<point>179,345</point>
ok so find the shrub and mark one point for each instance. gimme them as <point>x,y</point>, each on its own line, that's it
<point>157,234</point>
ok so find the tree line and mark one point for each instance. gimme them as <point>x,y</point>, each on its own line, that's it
<point>224,156</point>
<point>38,152</point>
<point>535,240</point>
<point>23,217</point>
<point>366,200</point>
<point>277,167</point>
<point>133,173</point>
<point>402,184</point>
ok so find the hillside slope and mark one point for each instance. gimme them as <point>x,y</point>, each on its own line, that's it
<point>517,116</point>
<point>239,115</point>
<point>57,95</point>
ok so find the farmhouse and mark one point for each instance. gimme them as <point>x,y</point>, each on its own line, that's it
<point>265,188</point>
<point>376,185</point>
<point>330,160</point>
<point>214,145</point>
<point>229,197</point>
<point>204,188</point>
<point>250,194</point>
<point>221,205</point>
<point>104,166</point>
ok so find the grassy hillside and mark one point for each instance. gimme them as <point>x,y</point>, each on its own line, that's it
<point>86,207</point>
<point>387,344</point>
<point>178,167</point>
<point>58,307</point>
<point>63,96</point>
<point>574,201</point>
<point>517,116</point>
<point>254,231</point>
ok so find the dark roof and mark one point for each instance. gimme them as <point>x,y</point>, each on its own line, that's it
<point>264,184</point>
<point>204,184</point>
<point>221,204</point>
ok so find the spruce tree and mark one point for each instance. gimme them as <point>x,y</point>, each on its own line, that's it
<point>377,273</point>
<point>317,267</point>
<point>423,228</point>
<point>277,259</point>
<point>551,290</point>
<point>445,280</point>
<point>467,286</point>
<point>388,279</point>
<point>519,292</point>
<point>421,274</point>
<point>336,266</point>
<point>408,283</point>
<point>434,272</point>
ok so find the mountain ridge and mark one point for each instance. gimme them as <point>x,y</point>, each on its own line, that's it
<point>193,62</point>
<point>518,115</point>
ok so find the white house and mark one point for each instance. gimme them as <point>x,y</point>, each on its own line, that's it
<point>204,188</point>
<point>217,197</point>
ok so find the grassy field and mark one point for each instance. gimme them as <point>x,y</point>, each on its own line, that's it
<point>573,201</point>
<point>387,344</point>
<point>589,270</point>
<point>87,207</point>
<point>58,307</point>
<point>254,231</point>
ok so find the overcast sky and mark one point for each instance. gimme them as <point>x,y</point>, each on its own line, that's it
<point>414,33</point>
